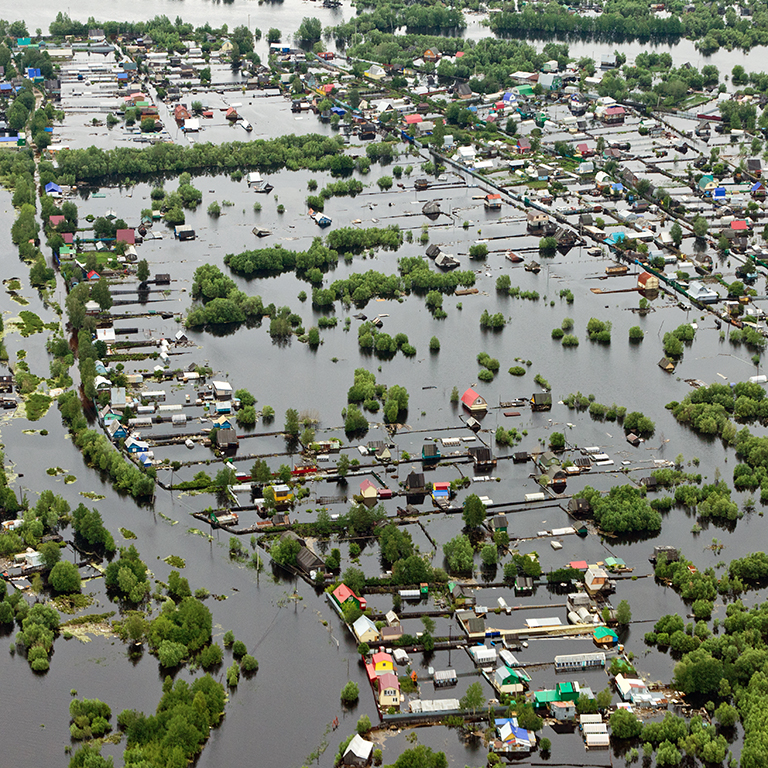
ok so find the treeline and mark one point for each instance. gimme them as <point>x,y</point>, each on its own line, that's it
<point>221,300</point>
<point>99,452</point>
<point>360,287</point>
<point>276,260</point>
<point>623,510</point>
<point>312,152</point>
<point>422,19</point>
<point>353,240</point>
<point>557,21</point>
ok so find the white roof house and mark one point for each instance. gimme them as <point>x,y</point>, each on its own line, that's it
<point>358,752</point>
<point>365,630</point>
<point>483,655</point>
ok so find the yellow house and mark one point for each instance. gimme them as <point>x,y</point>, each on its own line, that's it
<point>226,47</point>
<point>382,663</point>
<point>389,691</point>
<point>283,494</point>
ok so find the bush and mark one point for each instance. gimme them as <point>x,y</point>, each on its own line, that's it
<point>636,333</point>
<point>558,333</point>
<point>64,577</point>
<point>569,340</point>
<point>350,693</point>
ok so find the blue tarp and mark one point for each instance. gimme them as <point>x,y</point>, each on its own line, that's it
<point>338,111</point>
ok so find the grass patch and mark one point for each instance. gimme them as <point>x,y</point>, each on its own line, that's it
<point>30,323</point>
<point>53,471</point>
<point>92,496</point>
<point>72,603</point>
<point>13,285</point>
<point>69,479</point>
<point>175,561</point>
<point>37,405</point>
<point>89,618</point>
<point>126,534</point>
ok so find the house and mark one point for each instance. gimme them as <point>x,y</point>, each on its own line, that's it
<point>466,155</point>
<point>595,579</point>
<point>536,220</point>
<point>523,146</point>
<point>369,491</point>
<point>562,710</point>
<point>116,430</point>
<point>579,661</point>
<point>127,236</point>
<point>508,680</point>
<point>430,452</point>
<point>757,191</point>
<point>227,438</point>
<point>647,282</point>
<point>541,401</point>
<point>222,422</point>
<point>492,202</point>
<point>222,390</point>
<point>389,691</point>
<point>375,72</point>
<point>604,637</point>
<point>382,663</point>
<point>415,483</point>
<point>667,365</point>
<point>754,166</point>
<point>579,507</point>
<point>431,55</point>
<point>499,522</point>
<point>365,630</point>
<point>703,293</point>
<point>391,634</point>
<point>306,559</point>
<point>482,457</point>
<point>445,678</point>
<point>463,91</point>
<point>358,752</point>
<point>283,495</point>
<point>707,184</point>
<point>343,593</point>
<point>608,61</point>
<point>523,585</point>
<point>132,445</point>
<point>184,232</point>
<point>482,655</point>
<point>474,402</point>
<point>614,115</point>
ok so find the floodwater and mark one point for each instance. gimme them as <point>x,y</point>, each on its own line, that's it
<point>283,713</point>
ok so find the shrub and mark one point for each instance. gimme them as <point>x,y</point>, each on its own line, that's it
<point>350,692</point>
<point>517,370</point>
<point>636,333</point>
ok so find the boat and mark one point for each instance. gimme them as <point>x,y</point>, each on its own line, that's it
<point>595,251</point>
<point>514,257</point>
<point>618,269</point>
<point>533,266</point>
<point>248,127</point>
<point>261,232</point>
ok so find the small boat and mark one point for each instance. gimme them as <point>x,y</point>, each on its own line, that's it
<point>261,232</point>
<point>618,269</point>
<point>514,257</point>
<point>248,127</point>
<point>533,266</point>
<point>595,251</point>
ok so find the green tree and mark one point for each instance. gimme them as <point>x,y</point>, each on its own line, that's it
<point>64,578</point>
<point>623,613</point>
<point>625,725</point>
<point>459,554</point>
<point>676,232</point>
<point>142,270</point>
<point>350,693</point>
<point>473,512</point>
<point>473,699</point>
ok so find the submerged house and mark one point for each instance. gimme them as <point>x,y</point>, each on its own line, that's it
<point>474,402</point>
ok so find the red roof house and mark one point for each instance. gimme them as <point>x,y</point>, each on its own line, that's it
<point>740,225</point>
<point>342,593</point>
<point>54,221</point>
<point>125,236</point>
<point>473,401</point>
<point>413,119</point>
